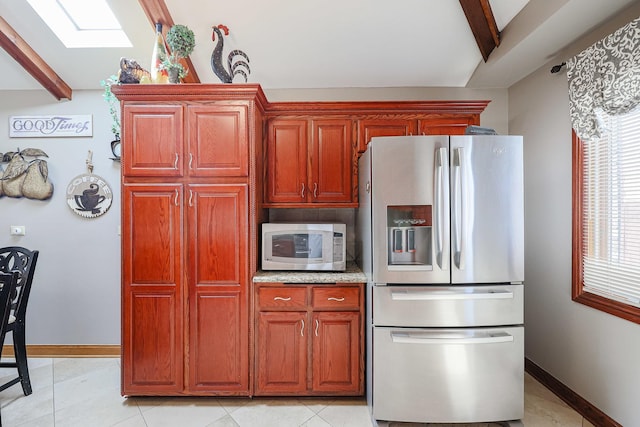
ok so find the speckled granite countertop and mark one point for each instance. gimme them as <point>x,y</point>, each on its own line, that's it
<point>352,274</point>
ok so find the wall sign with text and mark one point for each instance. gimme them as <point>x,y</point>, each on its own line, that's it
<point>61,125</point>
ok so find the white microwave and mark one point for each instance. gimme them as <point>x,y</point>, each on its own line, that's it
<point>311,246</point>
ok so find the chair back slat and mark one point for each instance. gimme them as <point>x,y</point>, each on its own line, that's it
<point>8,283</point>
<point>23,262</point>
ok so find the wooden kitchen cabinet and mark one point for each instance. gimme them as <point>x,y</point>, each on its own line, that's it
<point>420,124</point>
<point>369,128</point>
<point>154,140</point>
<point>309,340</point>
<point>447,125</point>
<point>152,298</point>
<point>309,161</point>
<point>217,244</point>
<point>189,221</point>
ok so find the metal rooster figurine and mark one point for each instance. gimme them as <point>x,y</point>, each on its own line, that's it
<point>234,67</point>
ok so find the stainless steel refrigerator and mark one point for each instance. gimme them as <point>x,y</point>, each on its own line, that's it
<point>441,229</point>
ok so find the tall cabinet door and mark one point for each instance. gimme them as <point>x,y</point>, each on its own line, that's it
<point>218,140</point>
<point>152,325</point>
<point>152,140</point>
<point>287,161</point>
<point>331,161</point>
<point>218,288</point>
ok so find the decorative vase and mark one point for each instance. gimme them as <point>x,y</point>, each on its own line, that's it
<point>173,75</point>
<point>116,148</point>
<point>158,56</point>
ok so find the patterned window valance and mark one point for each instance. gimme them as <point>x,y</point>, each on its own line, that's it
<point>605,77</point>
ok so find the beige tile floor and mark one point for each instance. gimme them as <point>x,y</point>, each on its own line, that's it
<point>85,392</point>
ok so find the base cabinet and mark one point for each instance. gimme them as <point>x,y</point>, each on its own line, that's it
<point>309,340</point>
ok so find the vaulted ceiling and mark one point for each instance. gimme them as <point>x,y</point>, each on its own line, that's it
<point>332,44</point>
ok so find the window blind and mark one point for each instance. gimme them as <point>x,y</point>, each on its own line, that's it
<point>611,209</point>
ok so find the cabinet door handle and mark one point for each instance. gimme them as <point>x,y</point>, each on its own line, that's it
<point>302,328</point>
<point>190,160</point>
<point>175,162</point>
<point>175,199</point>
<point>282,298</point>
<point>302,191</point>
<point>190,198</point>
<point>335,299</point>
<point>315,190</point>
<point>317,325</point>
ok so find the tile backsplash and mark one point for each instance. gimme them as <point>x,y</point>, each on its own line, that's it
<point>342,216</point>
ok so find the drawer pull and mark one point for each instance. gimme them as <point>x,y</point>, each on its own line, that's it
<point>302,328</point>
<point>282,298</point>
<point>317,324</point>
<point>335,299</point>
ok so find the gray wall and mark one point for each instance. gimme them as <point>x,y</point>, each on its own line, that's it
<point>75,297</point>
<point>76,294</point>
<point>593,353</point>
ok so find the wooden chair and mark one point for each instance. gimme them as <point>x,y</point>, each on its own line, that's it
<point>7,286</point>
<point>23,262</point>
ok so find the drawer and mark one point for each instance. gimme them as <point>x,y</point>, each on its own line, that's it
<point>282,298</point>
<point>336,298</point>
<point>455,306</point>
<point>452,375</point>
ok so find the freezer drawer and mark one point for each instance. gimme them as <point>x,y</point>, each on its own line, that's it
<point>448,375</point>
<point>452,306</point>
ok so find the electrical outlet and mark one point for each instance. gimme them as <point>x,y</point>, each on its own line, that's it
<point>18,230</point>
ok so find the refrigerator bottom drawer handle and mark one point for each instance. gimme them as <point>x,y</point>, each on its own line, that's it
<point>438,338</point>
<point>446,295</point>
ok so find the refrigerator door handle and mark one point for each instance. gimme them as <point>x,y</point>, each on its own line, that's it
<point>458,209</point>
<point>441,209</point>
<point>435,295</point>
<point>450,338</point>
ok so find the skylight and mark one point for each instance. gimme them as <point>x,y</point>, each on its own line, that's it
<point>82,23</point>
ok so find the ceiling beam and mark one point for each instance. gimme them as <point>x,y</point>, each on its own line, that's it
<point>483,25</point>
<point>157,11</point>
<point>20,50</point>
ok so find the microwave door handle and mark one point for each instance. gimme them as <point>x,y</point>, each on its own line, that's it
<point>441,208</point>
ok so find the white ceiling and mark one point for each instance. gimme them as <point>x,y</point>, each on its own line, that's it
<point>305,44</point>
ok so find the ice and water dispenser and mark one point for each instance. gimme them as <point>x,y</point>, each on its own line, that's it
<point>409,235</point>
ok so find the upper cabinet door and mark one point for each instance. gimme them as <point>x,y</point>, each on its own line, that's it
<point>287,161</point>
<point>152,140</point>
<point>331,160</point>
<point>447,124</point>
<point>218,140</point>
<point>369,128</point>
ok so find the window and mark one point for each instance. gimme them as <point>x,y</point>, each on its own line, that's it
<point>82,23</point>
<point>606,218</point>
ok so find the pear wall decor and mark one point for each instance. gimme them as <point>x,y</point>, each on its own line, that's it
<point>24,177</point>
